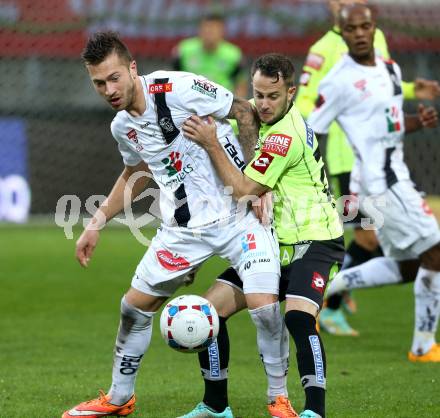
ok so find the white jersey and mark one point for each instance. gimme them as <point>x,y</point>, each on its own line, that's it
<point>367,103</point>
<point>192,194</point>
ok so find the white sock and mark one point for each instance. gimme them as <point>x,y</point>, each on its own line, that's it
<point>427,310</point>
<point>273,345</point>
<point>376,272</point>
<point>133,339</point>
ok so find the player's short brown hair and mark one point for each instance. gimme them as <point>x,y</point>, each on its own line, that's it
<point>102,44</point>
<point>275,66</point>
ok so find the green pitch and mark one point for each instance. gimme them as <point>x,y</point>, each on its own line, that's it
<point>58,324</point>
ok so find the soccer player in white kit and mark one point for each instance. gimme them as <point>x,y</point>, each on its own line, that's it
<point>363,93</point>
<point>199,218</point>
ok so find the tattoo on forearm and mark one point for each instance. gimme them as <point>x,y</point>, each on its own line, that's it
<point>248,126</point>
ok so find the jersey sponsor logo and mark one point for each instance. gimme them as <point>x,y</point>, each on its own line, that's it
<point>393,122</point>
<point>262,163</point>
<point>361,84</point>
<point>132,136</point>
<point>319,101</point>
<point>317,359</point>
<point>205,87</point>
<point>232,151</point>
<point>160,88</point>
<point>309,133</point>
<point>277,144</point>
<point>318,282</point>
<point>314,61</point>
<point>426,208</point>
<point>171,262</point>
<point>248,242</point>
<point>175,168</point>
<point>305,78</point>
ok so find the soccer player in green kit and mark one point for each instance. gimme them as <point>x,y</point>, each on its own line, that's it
<point>322,56</point>
<point>210,55</point>
<point>310,234</point>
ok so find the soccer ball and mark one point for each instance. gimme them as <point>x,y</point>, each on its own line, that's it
<point>189,323</point>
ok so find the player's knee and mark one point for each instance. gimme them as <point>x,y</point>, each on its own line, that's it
<point>133,318</point>
<point>300,324</point>
<point>408,270</point>
<point>366,239</point>
<point>267,317</point>
<point>430,259</point>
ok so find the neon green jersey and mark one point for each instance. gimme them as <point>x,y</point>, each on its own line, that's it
<point>323,55</point>
<point>223,66</point>
<point>288,161</point>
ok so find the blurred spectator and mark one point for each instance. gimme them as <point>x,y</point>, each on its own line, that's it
<point>210,55</point>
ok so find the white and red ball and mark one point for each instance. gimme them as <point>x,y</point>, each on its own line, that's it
<point>189,323</point>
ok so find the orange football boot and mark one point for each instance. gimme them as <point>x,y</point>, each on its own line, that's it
<point>101,407</point>
<point>432,356</point>
<point>281,408</point>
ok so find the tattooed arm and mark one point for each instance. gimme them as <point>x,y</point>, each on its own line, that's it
<point>248,125</point>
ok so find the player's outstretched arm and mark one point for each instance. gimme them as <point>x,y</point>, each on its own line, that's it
<point>248,125</point>
<point>426,89</point>
<point>115,202</point>
<point>205,134</point>
<point>426,117</point>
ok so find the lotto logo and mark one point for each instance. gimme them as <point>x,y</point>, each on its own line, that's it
<point>262,163</point>
<point>318,282</point>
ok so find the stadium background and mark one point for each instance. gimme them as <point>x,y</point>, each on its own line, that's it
<point>50,110</point>
<point>58,321</point>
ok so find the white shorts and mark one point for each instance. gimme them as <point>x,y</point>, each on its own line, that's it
<point>409,227</point>
<point>250,247</point>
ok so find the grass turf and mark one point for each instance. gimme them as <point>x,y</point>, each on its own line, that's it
<point>58,324</point>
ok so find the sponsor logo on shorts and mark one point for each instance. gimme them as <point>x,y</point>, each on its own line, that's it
<point>205,87</point>
<point>318,282</point>
<point>277,144</point>
<point>314,61</point>
<point>248,242</point>
<point>262,163</point>
<point>171,262</point>
<point>160,88</point>
<point>214,360</point>
<point>317,358</point>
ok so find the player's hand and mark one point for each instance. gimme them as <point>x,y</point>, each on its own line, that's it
<point>204,132</point>
<point>426,89</point>
<point>263,209</point>
<point>428,116</point>
<point>85,246</point>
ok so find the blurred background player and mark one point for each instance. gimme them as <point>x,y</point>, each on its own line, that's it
<point>322,56</point>
<point>363,93</point>
<point>210,55</point>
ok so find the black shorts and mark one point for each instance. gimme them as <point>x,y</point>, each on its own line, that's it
<point>340,186</point>
<point>306,268</point>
